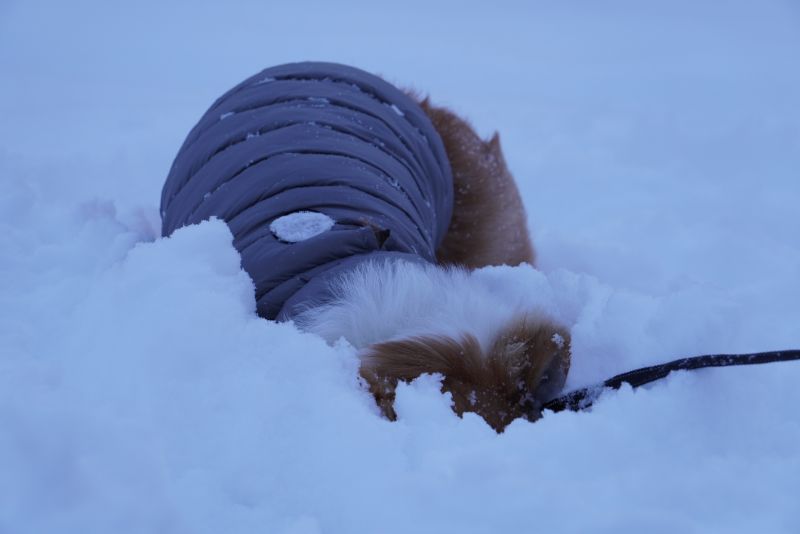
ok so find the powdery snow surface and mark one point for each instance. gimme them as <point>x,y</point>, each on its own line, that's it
<point>657,149</point>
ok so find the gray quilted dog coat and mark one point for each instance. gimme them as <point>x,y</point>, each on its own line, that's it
<point>315,167</point>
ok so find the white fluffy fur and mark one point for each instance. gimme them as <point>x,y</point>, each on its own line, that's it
<point>381,301</point>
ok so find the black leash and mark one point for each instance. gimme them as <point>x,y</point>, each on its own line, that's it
<point>580,399</point>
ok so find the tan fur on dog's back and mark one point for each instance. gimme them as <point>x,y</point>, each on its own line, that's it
<point>489,226</point>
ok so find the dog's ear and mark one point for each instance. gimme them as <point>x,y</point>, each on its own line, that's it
<point>494,152</point>
<point>494,145</point>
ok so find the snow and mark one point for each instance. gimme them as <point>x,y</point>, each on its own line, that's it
<point>300,225</point>
<point>656,146</point>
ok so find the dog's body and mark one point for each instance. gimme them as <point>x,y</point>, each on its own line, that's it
<point>404,313</point>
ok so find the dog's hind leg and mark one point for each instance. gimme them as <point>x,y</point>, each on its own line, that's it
<point>489,226</point>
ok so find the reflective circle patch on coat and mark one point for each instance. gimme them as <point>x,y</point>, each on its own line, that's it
<point>300,225</point>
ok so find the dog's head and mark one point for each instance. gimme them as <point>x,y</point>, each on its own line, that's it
<point>524,366</point>
<point>499,355</point>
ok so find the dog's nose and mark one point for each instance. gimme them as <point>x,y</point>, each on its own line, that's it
<point>552,382</point>
<point>531,408</point>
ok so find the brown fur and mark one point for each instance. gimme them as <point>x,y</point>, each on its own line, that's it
<point>489,226</point>
<point>524,366</point>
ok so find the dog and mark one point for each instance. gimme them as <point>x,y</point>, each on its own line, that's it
<point>362,211</point>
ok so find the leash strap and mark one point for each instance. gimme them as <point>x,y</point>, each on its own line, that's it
<point>580,399</point>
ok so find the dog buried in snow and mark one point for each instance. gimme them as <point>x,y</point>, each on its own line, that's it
<point>361,212</point>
